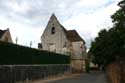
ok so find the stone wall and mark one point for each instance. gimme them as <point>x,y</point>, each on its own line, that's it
<point>113,74</point>
<point>79,51</point>
<point>23,73</point>
<point>116,72</point>
<point>78,56</point>
<point>78,65</point>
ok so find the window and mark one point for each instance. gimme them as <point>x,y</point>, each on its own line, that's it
<point>40,45</point>
<point>53,30</point>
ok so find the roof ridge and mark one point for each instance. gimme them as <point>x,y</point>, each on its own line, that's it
<point>2,32</point>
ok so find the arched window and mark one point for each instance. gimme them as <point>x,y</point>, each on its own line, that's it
<point>53,30</point>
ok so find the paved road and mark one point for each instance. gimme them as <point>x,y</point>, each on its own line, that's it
<point>93,77</point>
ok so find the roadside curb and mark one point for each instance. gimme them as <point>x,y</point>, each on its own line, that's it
<point>55,78</point>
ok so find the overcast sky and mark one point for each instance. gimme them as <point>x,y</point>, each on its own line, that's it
<point>27,19</point>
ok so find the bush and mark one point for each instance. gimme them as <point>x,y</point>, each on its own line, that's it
<point>87,67</point>
<point>16,54</point>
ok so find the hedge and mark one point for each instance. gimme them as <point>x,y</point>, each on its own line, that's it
<point>21,55</point>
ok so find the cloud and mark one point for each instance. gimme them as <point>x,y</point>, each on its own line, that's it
<point>89,24</point>
<point>24,33</point>
<point>28,18</point>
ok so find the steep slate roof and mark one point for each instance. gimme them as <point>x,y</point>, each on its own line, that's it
<point>2,32</point>
<point>73,36</point>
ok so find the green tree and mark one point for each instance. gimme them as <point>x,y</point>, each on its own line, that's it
<point>100,48</point>
<point>110,44</point>
<point>119,16</point>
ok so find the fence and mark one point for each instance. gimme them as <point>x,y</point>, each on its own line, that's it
<point>18,63</point>
<point>23,73</point>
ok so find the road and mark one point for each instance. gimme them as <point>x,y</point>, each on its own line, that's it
<point>93,77</point>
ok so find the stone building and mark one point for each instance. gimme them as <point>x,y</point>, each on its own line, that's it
<point>56,38</point>
<point>5,36</point>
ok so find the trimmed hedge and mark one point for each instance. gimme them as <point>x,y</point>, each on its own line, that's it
<point>16,54</point>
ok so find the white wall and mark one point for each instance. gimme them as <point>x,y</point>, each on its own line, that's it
<point>79,50</point>
<point>58,39</point>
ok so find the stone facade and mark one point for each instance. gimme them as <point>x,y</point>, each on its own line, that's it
<point>5,36</point>
<point>57,39</point>
<point>78,65</point>
<point>53,39</point>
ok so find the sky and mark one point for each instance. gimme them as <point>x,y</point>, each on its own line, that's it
<point>27,19</point>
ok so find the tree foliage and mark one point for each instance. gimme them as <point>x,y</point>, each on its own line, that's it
<point>110,43</point>
<point>119,16</point>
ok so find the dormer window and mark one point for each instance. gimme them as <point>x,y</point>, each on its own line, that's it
<point>53,30</point>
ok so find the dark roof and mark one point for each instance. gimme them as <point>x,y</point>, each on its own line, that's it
<point>73,36</point>
<point>2,32</point>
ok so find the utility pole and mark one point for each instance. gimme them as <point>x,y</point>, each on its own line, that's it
<point>16,40</point>
<point>30,44</point>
